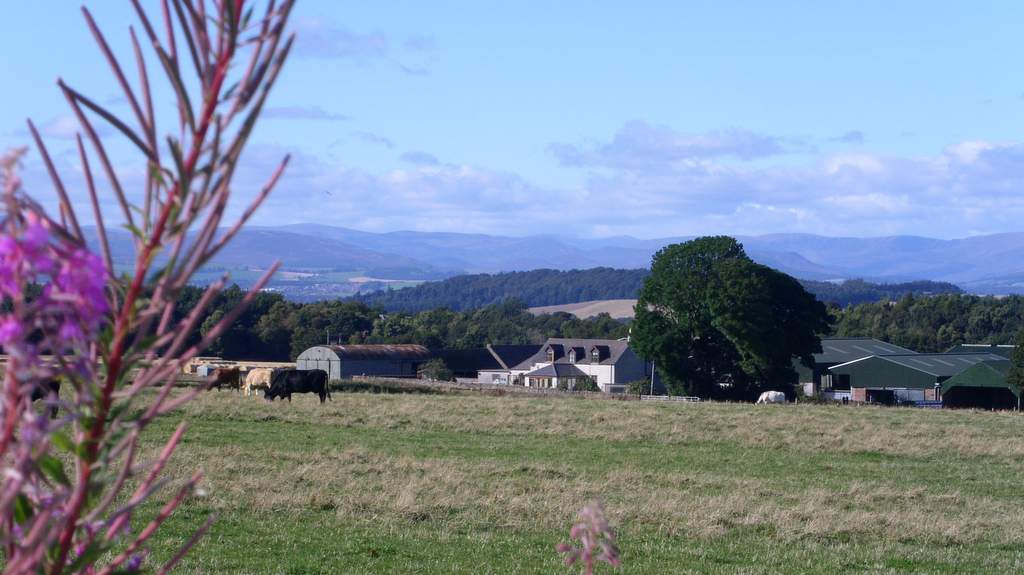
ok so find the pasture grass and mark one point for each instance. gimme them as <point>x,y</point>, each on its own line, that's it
<point>483,484</point>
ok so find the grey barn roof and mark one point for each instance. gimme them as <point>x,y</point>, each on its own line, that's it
<point>368,351</point>
<point>469,361</point>
<point>1003,350</point>
<point>490,358</point>
<point>509,356</point>
<point>845,349</point>
<point>937,364</point>
<point>557,370</point>
<point>610,351</point>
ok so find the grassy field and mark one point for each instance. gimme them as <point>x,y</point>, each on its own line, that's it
<point>483,484</point>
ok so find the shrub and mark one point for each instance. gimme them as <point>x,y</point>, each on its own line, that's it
<point>437,370</point>
<point>587,383</point>
<point>639,387</point>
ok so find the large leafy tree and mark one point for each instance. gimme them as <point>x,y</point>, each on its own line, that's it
<point>708,315</point>
<point>1016,374</point>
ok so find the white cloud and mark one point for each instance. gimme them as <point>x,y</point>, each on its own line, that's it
<point>944,195</point>
<point>302,113</point>
<point>319,39</point>
<point>860,162</point>
<point>965,188</point>
<point>641,146</point>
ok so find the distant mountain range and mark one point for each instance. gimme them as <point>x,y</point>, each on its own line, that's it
<point>992,264</point>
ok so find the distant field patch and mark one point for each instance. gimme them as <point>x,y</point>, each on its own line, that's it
<point>367,279</point>
<point>617,308</point>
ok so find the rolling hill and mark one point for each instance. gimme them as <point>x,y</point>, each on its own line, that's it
<point>330,258</point>
<point>981,264</point>
<point>594,291</point>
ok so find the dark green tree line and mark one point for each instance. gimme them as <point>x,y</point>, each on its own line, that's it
<point>534,288</point>
<point>275,329</point>
<point>936,323</point>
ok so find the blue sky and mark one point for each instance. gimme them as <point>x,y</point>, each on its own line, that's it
<point>605,118</point>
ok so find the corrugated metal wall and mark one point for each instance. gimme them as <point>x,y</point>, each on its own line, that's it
<point>878,373</point>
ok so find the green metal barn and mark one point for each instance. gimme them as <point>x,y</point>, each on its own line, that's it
<point>816,379</point>
<point>899,379</point>
<point>982,386</point>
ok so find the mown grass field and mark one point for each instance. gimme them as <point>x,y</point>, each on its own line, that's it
<point>482,484</point>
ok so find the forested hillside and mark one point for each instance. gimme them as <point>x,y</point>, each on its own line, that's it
<point>533,288</point>
<point>853,292</point>
<point>553,287</point>
<point>936,323</point>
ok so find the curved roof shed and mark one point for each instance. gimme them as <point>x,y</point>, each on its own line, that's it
<point>346,361</point>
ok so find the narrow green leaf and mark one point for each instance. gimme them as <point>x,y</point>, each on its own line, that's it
<point>53,468</point>
<point>22,508</point>
<point>63,442</point>
<point>117,123</point>
<point>135,231</point>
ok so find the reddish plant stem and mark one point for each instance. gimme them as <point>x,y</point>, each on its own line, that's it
<point>123,321</point>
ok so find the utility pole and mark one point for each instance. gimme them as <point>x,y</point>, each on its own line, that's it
<point>328,336</point>
<point>652,376</point>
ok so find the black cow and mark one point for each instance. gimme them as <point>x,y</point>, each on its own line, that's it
<point>289,381</point>
<point>43,390</point>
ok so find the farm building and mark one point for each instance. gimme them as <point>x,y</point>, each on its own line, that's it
<point>346,361</point>
<point>835,351</point>
<point>894,379</point>
<point>611,363</point>
<point>1003,350</point>
<point>489,364</point>
<point>983,385</point>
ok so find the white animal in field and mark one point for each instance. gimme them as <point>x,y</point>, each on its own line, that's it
<point>256,379</point>
<point>772,397</point>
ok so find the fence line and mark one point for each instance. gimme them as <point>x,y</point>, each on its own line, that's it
<point>687,398</point>
<point>496,388</point>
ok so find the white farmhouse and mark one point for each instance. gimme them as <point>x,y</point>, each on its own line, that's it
<point>611,363</point>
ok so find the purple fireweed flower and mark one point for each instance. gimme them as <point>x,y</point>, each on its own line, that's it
<point>35,236</point>
<point>596,540</point>
<point>69,331</point>
<point>8,247</point>
<point>34,427</point>
<point>134,562</point>
<point>82,276</point>
<point>10,329</point>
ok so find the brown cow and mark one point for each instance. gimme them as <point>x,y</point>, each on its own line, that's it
<point>228,376</point>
